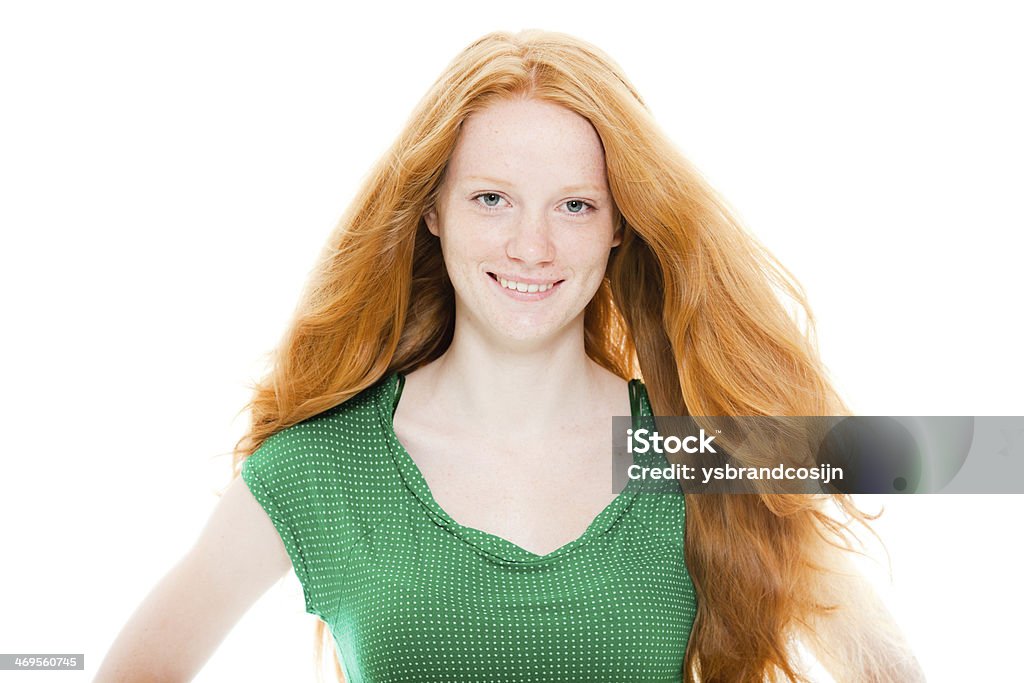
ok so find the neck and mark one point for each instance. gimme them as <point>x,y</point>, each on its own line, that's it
<point>533,387</point>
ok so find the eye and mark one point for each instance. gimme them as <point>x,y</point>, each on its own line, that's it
<point>577,206</point>
<point>489,200</point>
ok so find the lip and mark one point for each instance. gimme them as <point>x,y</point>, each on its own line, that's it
<point>524,296</point>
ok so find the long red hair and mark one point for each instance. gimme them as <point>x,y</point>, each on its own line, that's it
<point>692,303</point>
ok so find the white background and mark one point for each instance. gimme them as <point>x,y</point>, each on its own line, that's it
<point>168,174</point>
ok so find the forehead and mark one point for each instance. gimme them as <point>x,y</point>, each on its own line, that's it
<point>528,140</point>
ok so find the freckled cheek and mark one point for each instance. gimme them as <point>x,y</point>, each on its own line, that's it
<point>470,251</point>
<point>591,252</point>
<point>468,259</point>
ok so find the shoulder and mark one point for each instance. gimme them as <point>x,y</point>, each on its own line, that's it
<point>320,442</point>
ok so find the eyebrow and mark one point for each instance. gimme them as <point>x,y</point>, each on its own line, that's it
<point>585,187</point>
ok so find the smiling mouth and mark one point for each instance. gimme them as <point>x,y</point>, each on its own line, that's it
<point>525,287</point>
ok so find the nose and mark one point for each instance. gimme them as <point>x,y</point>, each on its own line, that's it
<point>531,241</point>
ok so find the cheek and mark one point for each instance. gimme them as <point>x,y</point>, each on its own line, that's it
<point>593,250</point>
<point>462,255</point>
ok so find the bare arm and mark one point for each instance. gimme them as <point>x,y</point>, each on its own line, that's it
<point>183,620</point>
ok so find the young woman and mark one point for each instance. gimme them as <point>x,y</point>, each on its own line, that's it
<point>430,452</point>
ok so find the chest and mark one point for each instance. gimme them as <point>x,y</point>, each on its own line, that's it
<point>606,618</point>
<point>537,493</point>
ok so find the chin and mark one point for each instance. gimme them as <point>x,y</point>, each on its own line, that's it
<point>530,330</point>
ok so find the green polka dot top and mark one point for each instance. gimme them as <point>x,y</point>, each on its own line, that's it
<point>409,594</point>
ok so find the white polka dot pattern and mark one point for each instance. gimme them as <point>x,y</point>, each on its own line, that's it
<point>411,595</point>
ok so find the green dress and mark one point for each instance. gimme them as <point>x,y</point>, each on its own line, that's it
<point>409,594</point>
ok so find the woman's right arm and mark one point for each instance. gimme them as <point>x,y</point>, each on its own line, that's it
<point>183,620</point>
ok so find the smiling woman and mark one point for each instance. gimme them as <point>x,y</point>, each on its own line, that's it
<point>531,258</point>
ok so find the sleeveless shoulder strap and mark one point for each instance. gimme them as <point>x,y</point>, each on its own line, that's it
<point>640,404</point>
<point>635,406</point>
<point>400,380</point>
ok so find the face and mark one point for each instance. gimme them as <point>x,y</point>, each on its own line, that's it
<point>524,216</point>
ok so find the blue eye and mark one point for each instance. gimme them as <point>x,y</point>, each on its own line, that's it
<point>488,197</point>
<point>575,207</point>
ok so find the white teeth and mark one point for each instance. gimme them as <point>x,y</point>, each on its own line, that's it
<point>523,287</point>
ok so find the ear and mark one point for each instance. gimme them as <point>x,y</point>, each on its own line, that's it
<point>619,230</point>
<point>430,217</point>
